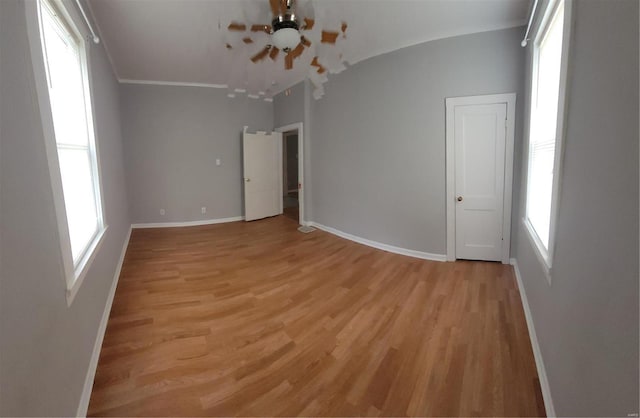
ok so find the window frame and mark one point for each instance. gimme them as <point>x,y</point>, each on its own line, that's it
<point>545,255</point>
<point>74,272</point>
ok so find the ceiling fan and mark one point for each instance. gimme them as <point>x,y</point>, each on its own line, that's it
<point>285,35</point>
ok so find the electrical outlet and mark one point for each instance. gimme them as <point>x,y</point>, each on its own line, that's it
<point>204,210</point>
<point>162,212</point>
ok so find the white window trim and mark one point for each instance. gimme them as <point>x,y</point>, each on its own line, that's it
<point>74,274</point>
<point>546,256</point>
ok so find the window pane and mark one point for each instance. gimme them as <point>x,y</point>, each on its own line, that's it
<point>544,115</point>
<point>549,80</point>
<point>79,198</point>
<point>66,88</point>
<point>70,111</point>
<point>540,186</point>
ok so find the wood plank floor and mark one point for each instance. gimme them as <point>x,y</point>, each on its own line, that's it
<point>258,319</point>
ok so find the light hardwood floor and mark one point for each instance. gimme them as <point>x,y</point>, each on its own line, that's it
<point>259,319</point>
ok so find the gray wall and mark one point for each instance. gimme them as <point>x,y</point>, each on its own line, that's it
<point>378,148</point>
<point>587,319</point>
<point>289,109</point>
<point>45,346</point>
<point>173,136</point>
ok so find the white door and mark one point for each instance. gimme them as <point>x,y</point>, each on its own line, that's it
<point>261,175</point>
<point>479,136</point>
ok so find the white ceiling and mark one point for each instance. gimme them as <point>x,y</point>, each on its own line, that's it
<point>183,41</point>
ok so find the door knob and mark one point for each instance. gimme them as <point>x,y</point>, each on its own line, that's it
<point>459,199</point>
<point>247,180</point>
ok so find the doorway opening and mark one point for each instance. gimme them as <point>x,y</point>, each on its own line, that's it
<point>290,201</point>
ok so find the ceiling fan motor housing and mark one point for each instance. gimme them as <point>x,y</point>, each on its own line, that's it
<point>286,35</point>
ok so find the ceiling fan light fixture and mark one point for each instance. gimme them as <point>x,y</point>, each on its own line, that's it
<point>286,39</point>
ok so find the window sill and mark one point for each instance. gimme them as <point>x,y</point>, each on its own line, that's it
<point>538,249</point>
<point>83,266</point>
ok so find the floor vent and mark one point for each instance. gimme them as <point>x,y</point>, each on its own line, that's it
<point>306,229</point>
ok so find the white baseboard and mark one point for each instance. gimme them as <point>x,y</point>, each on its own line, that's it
<point>189,223</point>
<point>97,346</point>
<point>379,245</point>
<point>537,354</point>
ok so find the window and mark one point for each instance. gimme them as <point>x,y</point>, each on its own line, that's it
<point>68,87</point>
<point>547,108</point>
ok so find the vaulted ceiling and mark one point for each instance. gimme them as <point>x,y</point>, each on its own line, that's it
<point>187,41</point>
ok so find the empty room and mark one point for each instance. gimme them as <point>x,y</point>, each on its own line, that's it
<point>319,208</point>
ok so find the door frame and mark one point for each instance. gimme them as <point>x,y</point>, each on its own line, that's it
<point>285,165</point>
<point>300,128</point>
<point>451,102</point>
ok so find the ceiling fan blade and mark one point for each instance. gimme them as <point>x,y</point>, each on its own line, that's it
<point>297,51</point>
<point>239,27</point>
<point>247,40</point>
<point>288,61</point>
<point>260,55</point>
<point>308,23</point>
<point>261,28</point>
<point>274,53</point>
<point>304,41</point>
<point>283,7</point>
<point>275,7</point>
<point>315,63</point>
<point>329,37</point>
